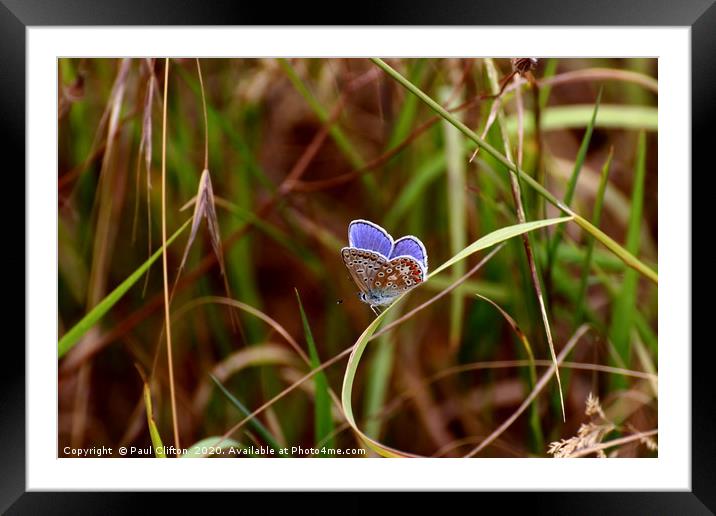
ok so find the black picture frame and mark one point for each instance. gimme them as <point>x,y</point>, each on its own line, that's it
<point>699,15</point>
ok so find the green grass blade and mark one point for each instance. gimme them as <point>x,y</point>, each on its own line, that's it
<point>425,174</point>
<point>255,423</point>
<point>379,370</point>
<point>75,333</point>
<point>582,153</point>
<point>323,420</point>
<point>596,218</point>
<point>242,274</point>
<point>640,320</point>
<point>457,218</point>
<point>571,254</point>
<point>404,122</point>
<point>157,443</point>
<point>572,183</point>
<point>607,241</point>
<point>496,237</point>
<point>549,70</point>
<point>625,303</point>
<point>564,284</point>
<point>558,118</point>
<point>359,347</point>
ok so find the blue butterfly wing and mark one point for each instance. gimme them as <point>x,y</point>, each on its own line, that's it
<point>363,234</point>
<point>411,246</point>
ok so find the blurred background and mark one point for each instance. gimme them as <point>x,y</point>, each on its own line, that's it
<point>297,149</point>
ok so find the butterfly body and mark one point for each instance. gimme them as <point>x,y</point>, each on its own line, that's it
<point>381,267</point>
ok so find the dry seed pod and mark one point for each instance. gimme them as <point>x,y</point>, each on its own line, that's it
<point>522,65</point>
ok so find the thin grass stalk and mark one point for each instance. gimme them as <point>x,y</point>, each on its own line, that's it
<point>538,202</point>
<point>535,426</point>
<point>627,257</point>
<point>206,116</point>
<point>517,196</point>
<point>167,318</point>
<point>541,97</point>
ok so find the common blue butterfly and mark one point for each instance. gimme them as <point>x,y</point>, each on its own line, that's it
<point>383,268</point>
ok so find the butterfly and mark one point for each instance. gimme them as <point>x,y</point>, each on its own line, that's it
<point>383,268</point>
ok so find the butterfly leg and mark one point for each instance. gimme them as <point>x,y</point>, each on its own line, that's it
<point>375,309</point>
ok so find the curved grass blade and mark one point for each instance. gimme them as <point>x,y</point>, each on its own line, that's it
<point>358,349</point>
<point>498,236</point>
<point>71,338</point>
<point>379,369</point>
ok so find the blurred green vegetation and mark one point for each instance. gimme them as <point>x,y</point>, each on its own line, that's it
<point>297,148</point>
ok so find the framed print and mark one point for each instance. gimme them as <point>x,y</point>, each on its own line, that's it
<point>399,240</point>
